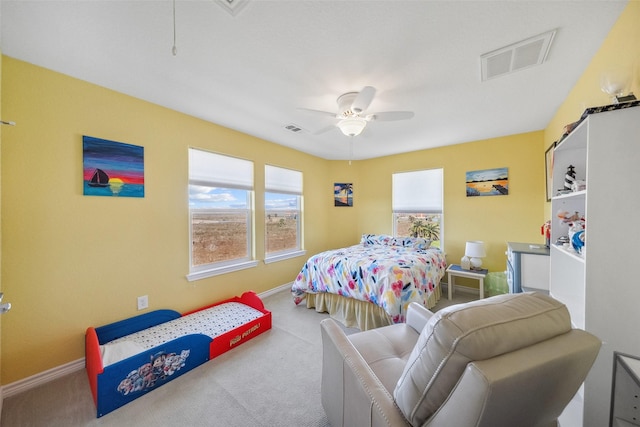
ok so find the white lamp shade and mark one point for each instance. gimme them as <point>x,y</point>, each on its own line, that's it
<point>475,249</point>
<point>352,126</point>
<point>615,82</point>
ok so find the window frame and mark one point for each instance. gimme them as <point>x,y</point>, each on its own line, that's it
<point>285,182</point>
<point>198,176</point>
<point>432,202</point>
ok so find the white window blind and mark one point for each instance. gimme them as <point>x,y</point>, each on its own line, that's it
<point>417,191</point>
<point>281,180</point>
<point>210,169</point>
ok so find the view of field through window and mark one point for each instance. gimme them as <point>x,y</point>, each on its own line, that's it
<point>281,230</point>
<point>218,236</point>
<point>222,236</point>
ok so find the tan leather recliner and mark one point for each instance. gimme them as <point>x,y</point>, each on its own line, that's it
<point>511,360</point>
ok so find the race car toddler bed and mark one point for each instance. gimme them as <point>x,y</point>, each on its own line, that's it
<point>129,358</point>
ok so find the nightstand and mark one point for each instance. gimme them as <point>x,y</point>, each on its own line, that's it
<point>454,270</point>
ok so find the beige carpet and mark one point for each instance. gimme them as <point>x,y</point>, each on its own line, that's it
<point>272,380</point>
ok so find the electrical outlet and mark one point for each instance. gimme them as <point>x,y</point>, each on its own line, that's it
<point>143,302</point>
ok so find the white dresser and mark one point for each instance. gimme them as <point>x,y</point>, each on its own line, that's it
<point>527,267</point>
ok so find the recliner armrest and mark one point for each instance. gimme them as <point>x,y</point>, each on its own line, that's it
<point>418,316</point>
<point>352,396</point>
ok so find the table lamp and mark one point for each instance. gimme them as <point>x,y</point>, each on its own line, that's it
<point>475,251</point>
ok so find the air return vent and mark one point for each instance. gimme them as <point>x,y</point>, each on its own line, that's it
<point>293,128</point>
<point>233,6</point>
<point>517,56</point>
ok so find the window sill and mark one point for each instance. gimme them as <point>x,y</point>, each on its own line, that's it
<point>283,256</point>
<point>220,270</point>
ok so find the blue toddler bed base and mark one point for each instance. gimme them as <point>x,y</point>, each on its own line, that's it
<point>119,383</point>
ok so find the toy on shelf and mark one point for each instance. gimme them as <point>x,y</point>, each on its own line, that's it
<point>545,230</point>
<point>567,217</point>
<point>569,178</point>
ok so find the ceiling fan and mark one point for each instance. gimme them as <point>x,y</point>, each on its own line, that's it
<point>352,114</point>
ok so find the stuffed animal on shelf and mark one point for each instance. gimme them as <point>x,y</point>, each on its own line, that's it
<point>566,217</point>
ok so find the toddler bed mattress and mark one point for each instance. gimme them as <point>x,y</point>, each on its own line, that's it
<point>129,358</point>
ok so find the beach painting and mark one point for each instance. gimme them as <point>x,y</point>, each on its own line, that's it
<point>488,182</point>
<point>343,194</point>
<point>112,168</point>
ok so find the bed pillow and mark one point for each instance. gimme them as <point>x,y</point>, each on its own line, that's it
<point>114,352</point>
<point>411,242</point>
<point>375,239</point>
<point>479,330</point>
<point>385,240</point>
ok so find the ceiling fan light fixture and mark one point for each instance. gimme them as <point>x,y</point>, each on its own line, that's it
<point>352,126</point>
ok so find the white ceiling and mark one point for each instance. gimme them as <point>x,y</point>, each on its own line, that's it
<point>253,71</point>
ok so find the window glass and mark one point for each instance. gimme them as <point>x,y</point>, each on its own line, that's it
<point>220,210</point>
<point>417,204</point>
<point>283,211</point>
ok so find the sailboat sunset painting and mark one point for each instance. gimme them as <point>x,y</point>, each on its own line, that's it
<point>112,168</point>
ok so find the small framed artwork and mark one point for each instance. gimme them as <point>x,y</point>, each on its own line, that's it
<point>112,168</point>
<point>548,170</point>
<point>343,194</point>
<point>488,182</point>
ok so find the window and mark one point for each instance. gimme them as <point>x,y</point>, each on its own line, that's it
<point>417,204</point>
<point>220,214</point>
<point>283,213</point>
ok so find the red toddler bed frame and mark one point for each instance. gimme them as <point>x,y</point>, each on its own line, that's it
<point>119,383</point>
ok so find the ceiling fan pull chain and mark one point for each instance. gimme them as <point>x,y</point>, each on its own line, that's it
<point>350,149</point>
<point>174,49</point>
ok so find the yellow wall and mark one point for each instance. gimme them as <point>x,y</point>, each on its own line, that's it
<point>494,220</point>
<point>0,223</point>
<point>70,261</point>
<point>620,50</point>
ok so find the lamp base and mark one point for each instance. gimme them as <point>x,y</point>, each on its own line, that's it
<point>465,263</point>
<point>476,263</point>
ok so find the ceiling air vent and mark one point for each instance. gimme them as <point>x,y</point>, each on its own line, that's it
<point>517,56</point>
<point>233,6</point>
<point>293,128</point>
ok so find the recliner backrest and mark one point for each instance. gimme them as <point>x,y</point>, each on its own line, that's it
<point>475,331</point>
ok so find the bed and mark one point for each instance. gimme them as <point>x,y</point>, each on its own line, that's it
<point>127,359</point>
<point>371,284</point>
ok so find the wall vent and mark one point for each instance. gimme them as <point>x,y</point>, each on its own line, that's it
<point>517,56</point>
<point>232,6</point>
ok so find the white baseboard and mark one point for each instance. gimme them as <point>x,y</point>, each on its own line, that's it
<point>62,370</point>
<point>275,290</point>
<point>463,289</point>
<point>42,378</point>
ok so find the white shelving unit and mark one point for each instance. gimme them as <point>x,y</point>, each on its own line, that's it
<point>601,286</point>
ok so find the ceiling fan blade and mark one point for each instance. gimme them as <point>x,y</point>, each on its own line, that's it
<point>390,116</point>
<point>324,113</point>
<point>363,99</point>
<point>324,129</point>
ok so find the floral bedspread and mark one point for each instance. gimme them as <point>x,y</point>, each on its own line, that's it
<point>388,275</point>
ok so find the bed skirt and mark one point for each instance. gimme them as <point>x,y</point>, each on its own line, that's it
<point>355,313</point>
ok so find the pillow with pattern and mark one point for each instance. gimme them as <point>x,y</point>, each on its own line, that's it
<point>383,239</point>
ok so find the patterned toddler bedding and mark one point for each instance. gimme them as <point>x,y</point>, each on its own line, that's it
<point>212,322</point>
<point>390,272</point>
